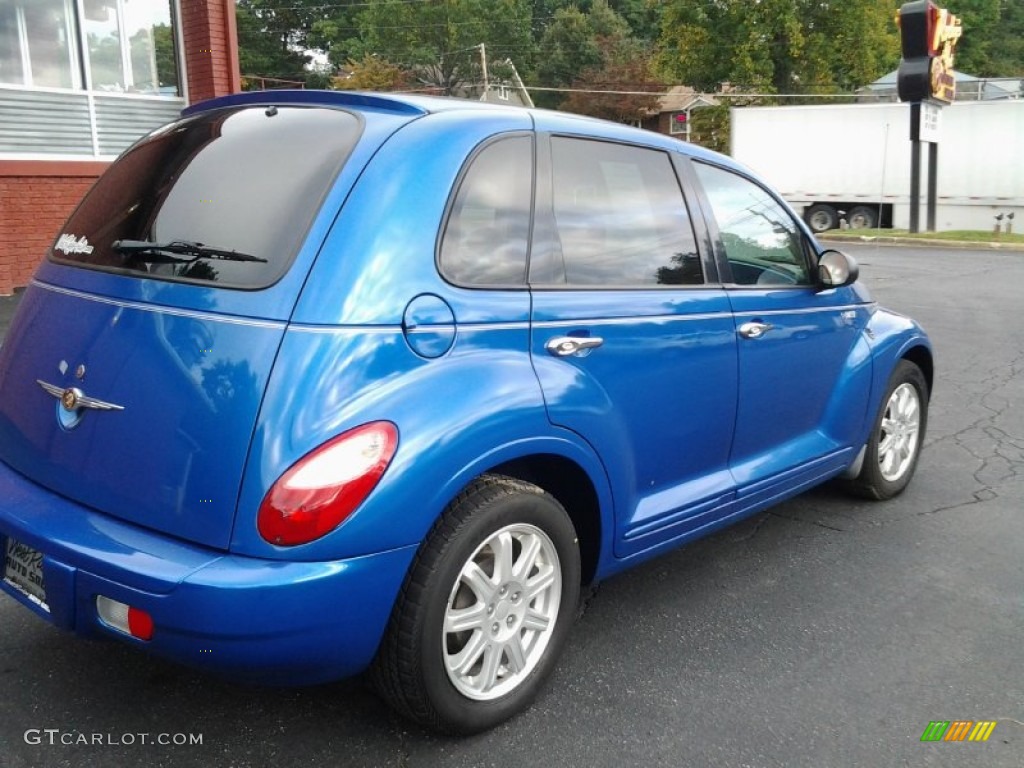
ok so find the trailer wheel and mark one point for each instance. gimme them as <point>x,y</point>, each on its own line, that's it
<point>821,217</point>
<point>862,217</point>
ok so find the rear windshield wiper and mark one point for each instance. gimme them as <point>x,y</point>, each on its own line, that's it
<point>168,252</point>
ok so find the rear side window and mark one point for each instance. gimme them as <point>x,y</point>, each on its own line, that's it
<point>248,180</point>
<point>486,239</point>
<point>620,216</point>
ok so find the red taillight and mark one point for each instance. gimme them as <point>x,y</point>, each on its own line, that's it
<point>326,485</point>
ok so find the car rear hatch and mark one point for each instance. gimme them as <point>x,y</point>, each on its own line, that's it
<point>133,373</point>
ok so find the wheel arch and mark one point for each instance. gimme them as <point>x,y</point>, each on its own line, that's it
<point>566,468</point>
<point>921,356</point>
<point>895,337</point>
<point>574,489</point>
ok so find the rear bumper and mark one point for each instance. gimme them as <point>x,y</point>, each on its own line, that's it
<point>274,621</point>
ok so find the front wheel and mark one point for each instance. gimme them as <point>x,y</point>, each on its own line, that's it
<point>485,610</point>
<point>898,434</point>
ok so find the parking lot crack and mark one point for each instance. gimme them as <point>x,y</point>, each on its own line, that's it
<point>998,453</point>
<point>808,522</point>
<point>978,497</point>
<point>587,595</point>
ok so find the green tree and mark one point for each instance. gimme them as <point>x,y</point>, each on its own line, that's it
<point>272,40</point>
<point>336,31</point>
<point>624,75</point>
<point>166,57</point>
<point>848,45</point>
<point>567,48</point>
<point>709,127</point>
<point>439,39</point>
<point>993,41</point>
<point>588,47</point>
<point>1007,50</point>
<point>544,13</point>
<point>642,16</point>
<point>973,51</point>
<point>779,46</point>
<point>373,73</point>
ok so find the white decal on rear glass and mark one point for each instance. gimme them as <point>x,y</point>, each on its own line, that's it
<point>71,244</point>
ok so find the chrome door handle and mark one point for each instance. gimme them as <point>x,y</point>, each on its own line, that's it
<point>564,346</point>
<point>754,330</point>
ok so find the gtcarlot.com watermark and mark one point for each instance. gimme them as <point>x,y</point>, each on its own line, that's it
<point>55,737</point>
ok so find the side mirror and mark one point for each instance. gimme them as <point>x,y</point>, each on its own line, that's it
<point>836,269</point>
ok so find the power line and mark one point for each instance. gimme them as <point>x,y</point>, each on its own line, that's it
<point>657,93</point>
<point>695,94</point>
<point>323,6</point>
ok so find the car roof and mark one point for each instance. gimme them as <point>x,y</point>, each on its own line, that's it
<point>410,104</point>
<point>419,105</point>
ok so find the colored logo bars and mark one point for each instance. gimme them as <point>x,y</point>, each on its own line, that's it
<point>958,730</point>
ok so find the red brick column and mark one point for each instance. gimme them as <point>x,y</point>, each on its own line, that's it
<point>35,200</point>
<point>211,48</point>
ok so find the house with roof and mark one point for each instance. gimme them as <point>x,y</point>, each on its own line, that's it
<point>968,88</point>
<point>675,109</point>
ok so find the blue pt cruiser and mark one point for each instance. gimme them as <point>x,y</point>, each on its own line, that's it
<point>317,384</point>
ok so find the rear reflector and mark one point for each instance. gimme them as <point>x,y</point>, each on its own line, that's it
<point>124,618</point>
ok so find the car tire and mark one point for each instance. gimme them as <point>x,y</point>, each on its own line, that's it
<point>485,609</point>
<point>897,436</point>
<point>821,217</point>
<point>862,217</point>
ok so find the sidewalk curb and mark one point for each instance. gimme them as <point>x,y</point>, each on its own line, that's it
<point>977,245</point>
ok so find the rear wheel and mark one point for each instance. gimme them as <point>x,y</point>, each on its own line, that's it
<point>862,217</point>
<point>485,610</point>
<point>895,443</point>
<point>821,217</point>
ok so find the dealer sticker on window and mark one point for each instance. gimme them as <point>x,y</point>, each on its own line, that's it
<point>23,570</point>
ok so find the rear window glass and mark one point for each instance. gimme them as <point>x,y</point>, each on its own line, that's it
<point>230,193</point>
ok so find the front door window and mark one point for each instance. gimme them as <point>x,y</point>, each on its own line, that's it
<point>762,244</point>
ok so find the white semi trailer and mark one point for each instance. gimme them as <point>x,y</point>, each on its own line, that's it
<point>852,162</point>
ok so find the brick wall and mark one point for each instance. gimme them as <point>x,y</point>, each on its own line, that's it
<point>34,204</point>
<point>36,197</point>
<point>211,48</point>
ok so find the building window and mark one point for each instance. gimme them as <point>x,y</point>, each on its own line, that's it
<point>37,43</point>
<point>129,45</point>
<point>677,123</point>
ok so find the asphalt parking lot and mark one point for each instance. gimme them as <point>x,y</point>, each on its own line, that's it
<point>825,632</point>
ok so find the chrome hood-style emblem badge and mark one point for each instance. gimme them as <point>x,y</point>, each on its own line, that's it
<point>72,398</point>
<point>71,403</point>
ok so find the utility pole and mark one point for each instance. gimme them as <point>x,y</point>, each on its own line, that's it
<point>483,66</point>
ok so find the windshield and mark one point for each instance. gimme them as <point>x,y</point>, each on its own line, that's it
<point>246,180</point>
